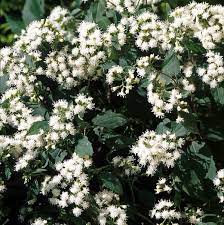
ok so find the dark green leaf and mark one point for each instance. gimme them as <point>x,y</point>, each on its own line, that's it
<point>3,83</point>
<point>84,147</point>
<point>215,134</point>
<point>190,122</point>
<point>218,94</point>
<point>211,170</point>
<point>16,25</point>
<point>170,67</point>
<point>166,9</point>
<point>110,120</point>
<point>194,47</point>
<point>32,10</point>
<point>112,183</point>
<point>37,126</point>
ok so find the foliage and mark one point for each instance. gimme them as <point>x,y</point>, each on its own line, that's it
<point>111,112</point>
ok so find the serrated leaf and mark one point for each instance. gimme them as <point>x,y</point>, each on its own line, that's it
<point>112,183</point>
<point>84,147</point>
<point>110,120</point>
<point>37,126</point>
<point>32,10</point>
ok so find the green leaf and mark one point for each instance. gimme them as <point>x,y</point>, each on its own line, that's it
<point>100,10</point>
<point>190,122</point>
<point>204,157</point>
<point>84,147</point>
<point>166,9</point>
<point>163,126</point>
<point>178,129</point>
<point>3,83</point>
<point>211,170</point>
<point>15,24</point>
<point>103,22</point>
<point>170,67</point>
<point>8,173</point>
<point>110,120</point>
<point>37,126</point>
<point>33,10</point>
<point>194,46</point>
<point>112,183</point>
<point>218,94</point>
<point>167,125</point>
<point>215,134</point>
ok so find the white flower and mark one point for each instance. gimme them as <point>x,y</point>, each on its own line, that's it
<point>154,149</point>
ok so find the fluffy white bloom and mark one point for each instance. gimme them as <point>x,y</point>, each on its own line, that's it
<point>219,184</point>
<point>194,215</point>
<point>145,64</point>
<point>154,149</point>
<point>148,31</point>
<point>69,188</point>
<point>110,208</point>
<point>162,186</point>
<point>2,187</point>
<point>130,6</point>
<point>164,210</point>
<point>40,221</point>
<point>126,79</point>
<point>61,122</point>
<point>214,74</point>
<point>164,101</point>
<point>17,60</point>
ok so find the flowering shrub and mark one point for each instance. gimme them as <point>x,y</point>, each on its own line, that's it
<point>113,114</point>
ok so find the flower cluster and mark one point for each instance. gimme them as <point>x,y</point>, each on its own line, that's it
<point>70,186</point>
<point>130,6</point>
<point>40,221</point>
<point>164,210</point>
<point>125,80</point>
<point>2,189</point>
<point>154,149</point>
<point>148,31</point>
<point>116,34</point>
<point>162,186</point>
<point>194,215</point>
<point>145,65</point>
<point>131,48</point>
<point>20,61</point>
<point>127,164</point>
<point>27,144</point>
<point>109,209</point>
<point>61,121</point>
<point>164,101</point>
<point>213,74</point>
<point>219,184</point>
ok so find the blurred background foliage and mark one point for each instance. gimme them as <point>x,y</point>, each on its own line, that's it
<point>16,14</point>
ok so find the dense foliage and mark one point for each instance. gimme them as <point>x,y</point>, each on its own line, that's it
<point>112,113</point>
